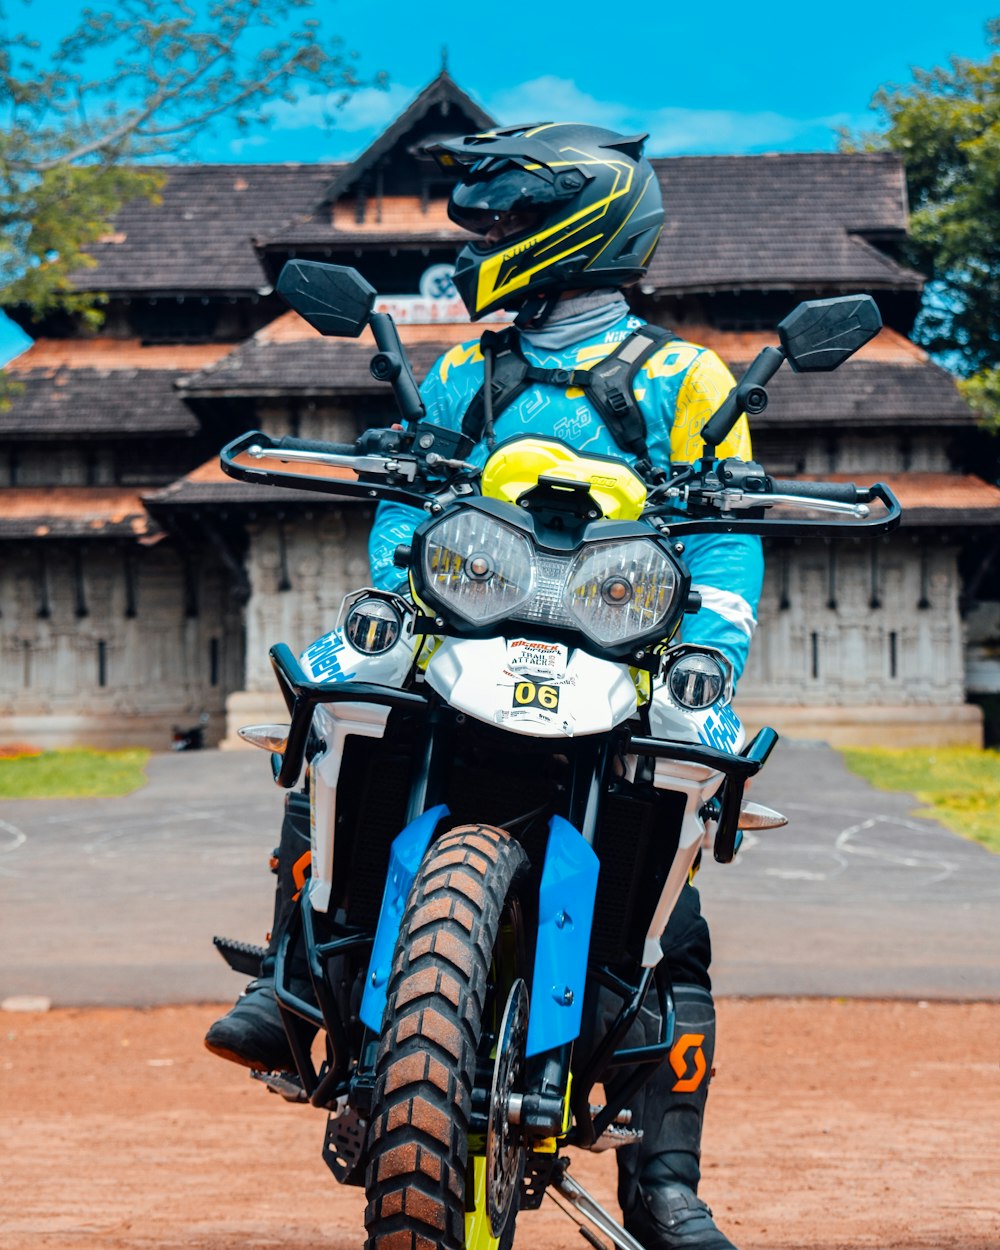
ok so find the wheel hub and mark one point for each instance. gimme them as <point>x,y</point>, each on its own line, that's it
<point>505,1148</point>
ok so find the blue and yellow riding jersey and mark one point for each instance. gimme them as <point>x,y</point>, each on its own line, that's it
<point>678,388</point>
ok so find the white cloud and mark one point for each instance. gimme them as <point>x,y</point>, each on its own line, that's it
<point>555,99</point>
<point>677,130</point>
<point>672,131</point>
<point>366,109</point>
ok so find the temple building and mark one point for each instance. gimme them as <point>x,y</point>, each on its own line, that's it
<point>140,588</point>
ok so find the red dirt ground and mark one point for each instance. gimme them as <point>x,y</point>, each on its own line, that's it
<point>832,1125</point>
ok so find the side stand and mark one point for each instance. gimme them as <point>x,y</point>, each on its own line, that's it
<point>587,1211</point>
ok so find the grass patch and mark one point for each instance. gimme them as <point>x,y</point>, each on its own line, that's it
<point>75,774</point>
<point>959,785</point>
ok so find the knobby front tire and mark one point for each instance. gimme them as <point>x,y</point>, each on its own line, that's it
<point>442,978</point>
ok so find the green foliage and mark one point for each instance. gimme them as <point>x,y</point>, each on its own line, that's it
<point>982,393</point>
<point>946,128</point>
<point>73,139</point>
<point>959,785</point>
<point>76,774</point>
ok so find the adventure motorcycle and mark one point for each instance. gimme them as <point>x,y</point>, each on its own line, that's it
<point>510,775</point>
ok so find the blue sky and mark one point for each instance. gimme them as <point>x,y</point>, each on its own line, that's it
<point>720,77</point>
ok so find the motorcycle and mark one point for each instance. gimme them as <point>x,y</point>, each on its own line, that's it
<point>510,774</point>
<point>190,737</point>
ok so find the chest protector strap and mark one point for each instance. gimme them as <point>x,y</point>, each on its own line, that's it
<point>607,385</point>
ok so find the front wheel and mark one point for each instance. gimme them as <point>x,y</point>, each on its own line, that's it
<point>459,954</point>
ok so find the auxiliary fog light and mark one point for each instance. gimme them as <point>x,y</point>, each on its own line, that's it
<point>373,626</point>
<point>697,680</point>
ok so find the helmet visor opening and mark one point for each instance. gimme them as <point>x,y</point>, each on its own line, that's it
<point>514,202</point>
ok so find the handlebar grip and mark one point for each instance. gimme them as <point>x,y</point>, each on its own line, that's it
<point>287,443</point>
<point>839,492</point>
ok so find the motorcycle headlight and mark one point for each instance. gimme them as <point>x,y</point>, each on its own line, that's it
<point>616,591</point>
<point>478,567</point>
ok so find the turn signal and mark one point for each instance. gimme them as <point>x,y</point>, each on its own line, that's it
<point>272,738</point>
<point>756,816</point>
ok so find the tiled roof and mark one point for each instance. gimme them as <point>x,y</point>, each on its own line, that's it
<point>738,347</point>
<point>782,220</point>
<point>890,382</point>
<point>289,356</point>
<point>208,485</point>
<point>58,400</point>
<point>74,511</point>
<point>105,354</point>
<point>865,393</point>
<point>199,238</point>
<point>443,98</point>
<point>777,221</point>
<point>926,498</point>
<point>399,218</point>
<point>787,219</point>
<point>396,213</point>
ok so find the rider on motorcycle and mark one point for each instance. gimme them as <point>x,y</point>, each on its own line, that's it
<point>565,217</point>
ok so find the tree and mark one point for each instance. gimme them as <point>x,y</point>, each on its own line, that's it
<point>75,142</point>
<point>945,126</point>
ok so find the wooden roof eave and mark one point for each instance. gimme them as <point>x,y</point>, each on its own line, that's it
<point>245,393</point>
<point>911,284</point>
<point>442,89</point>
<point>950,518</point>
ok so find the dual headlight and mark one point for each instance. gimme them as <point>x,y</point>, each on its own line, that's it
<point>619,591</point>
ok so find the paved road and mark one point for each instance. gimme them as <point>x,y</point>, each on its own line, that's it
<point>856,896</point>
<point>115,901</point>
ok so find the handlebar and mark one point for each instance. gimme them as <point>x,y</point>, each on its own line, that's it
<point>839,492</point>
<point>287,443</point>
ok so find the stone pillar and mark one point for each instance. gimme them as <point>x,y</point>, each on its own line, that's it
<point>300,569</point>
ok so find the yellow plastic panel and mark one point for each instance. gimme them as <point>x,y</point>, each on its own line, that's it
<point>516,467</point>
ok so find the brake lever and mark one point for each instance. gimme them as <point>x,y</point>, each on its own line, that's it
<point>405,466</point>
<point>733,499</point>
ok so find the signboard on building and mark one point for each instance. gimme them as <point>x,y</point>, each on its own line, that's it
<point>437,304</point>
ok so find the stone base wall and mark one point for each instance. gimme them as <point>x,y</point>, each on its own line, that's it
<point>251,707</point>
<point>111,646</point>
<point>858,623</point>
<point>910,725</point>
<point>106,731</point>
<point>300,570</point>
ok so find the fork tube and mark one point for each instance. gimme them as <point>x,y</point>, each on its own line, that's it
<point>586,787</point>
<point>428,778</point>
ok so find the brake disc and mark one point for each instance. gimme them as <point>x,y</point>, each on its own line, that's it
<point>505,1147</point>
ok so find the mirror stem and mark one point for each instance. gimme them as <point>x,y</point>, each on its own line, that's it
<point>391,365</point>
<point>748,395</point>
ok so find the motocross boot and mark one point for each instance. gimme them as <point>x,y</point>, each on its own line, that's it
<point>252,1033</point>
<point>658,1177</point>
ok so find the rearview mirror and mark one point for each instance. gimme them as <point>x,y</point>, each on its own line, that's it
<point>334,299</point>
<point>821,334</point>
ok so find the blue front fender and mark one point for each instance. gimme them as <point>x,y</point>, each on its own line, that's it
<point>565,917</point>
<point>407,851</point>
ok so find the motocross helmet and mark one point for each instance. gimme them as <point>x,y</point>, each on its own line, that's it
<point>558,207</point>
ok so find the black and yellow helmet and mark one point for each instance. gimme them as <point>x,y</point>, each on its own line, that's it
<point>558,206</point>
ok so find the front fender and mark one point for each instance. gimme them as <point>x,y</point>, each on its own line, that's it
<point>565,917</point>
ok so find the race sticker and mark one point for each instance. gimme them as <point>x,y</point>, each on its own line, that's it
<point>536,659</point>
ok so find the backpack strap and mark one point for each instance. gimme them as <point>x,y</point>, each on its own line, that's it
<point>508,379</point>
<point>607,384</point>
